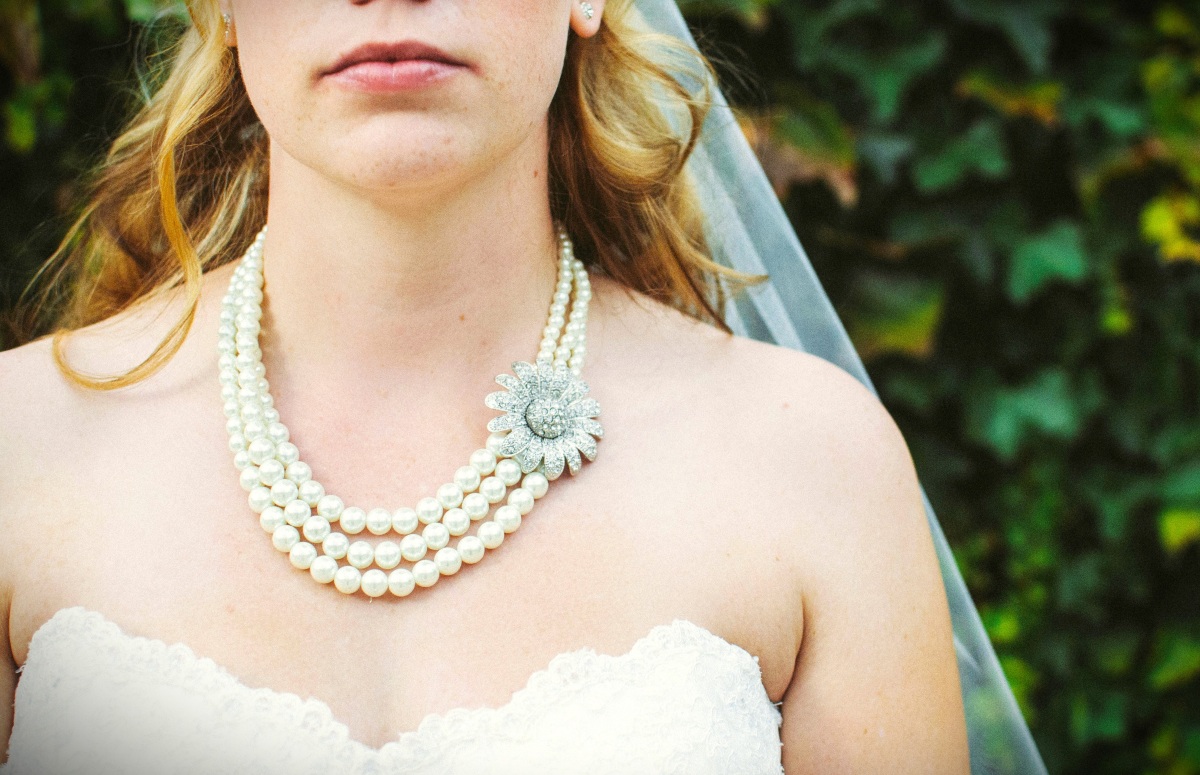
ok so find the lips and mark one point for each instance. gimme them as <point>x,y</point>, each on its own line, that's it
<point>399,51</point>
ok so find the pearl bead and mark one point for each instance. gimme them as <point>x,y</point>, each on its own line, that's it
<point>261,450</point>
<point>449,495</point>
<point>299,471</point>
<point>426,573</point>
<point>471,549</point>
<point>467,478</point>
<point>456,521</point>
<point>330,507</point>
<point>241,460</point>
<point>429,510</point>
<point>401,582</point>
<point>250,478</point>
<point>238,442</point>
<point>276,431</point>
<point>413,547</point>
<point>316,529</point>
<point>379,521</point>
<point>285,537</point>
<point>297,512</point>
<point>491,534</point>
<point>336,545</point>
<point>271,471</point>
<point>536,483</point>
<point>260,498</point>
<point>322,569</point>
<point>448,561</point>
<point>493,489</point>
<point>404,520</point>
<point>271,518</point>
<point>284,491</point>
<point>387,554</point>
<point>353,520</point>
<point>287,453</point>
<point>476,506</point>
<point>233,425</point>
<point>302,555</point>
<point>436,535</point>
<point>483,461</point>
<point>508,518</point>
<point>347,579</point>
<point>311,492</point>
<point>360,554</point>
<point>254,429</point>
<point>374,582</point>
<point>509,471</point>
<point>493,442</point>
<point>522,499</point>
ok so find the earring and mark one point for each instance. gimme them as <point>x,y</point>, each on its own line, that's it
<point>228,20</point>
<point>587,10</point>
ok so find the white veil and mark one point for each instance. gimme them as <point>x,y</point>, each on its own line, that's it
<point>748,230</point>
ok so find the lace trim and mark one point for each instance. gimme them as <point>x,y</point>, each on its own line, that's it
<point>437,732</point>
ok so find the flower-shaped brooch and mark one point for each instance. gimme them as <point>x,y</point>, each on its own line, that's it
<point>547,417</point>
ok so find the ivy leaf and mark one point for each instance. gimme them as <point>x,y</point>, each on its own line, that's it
<point>894,314</point>
<point>980,150</point>
<point>1026,24</point>
<point>885,152</point>
<point>885,77</point>
<point>1178,529</point>
<point>1055,254</point>
<point>810,26</point>
<point>1003,417</point>
<point>1176,660</point>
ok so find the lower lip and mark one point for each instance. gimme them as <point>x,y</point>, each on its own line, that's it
<point>394,76</point>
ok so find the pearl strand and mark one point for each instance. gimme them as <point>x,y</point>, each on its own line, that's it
<point>282,491</point>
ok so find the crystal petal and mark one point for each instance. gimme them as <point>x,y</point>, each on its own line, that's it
<point>572,456</point>
<point>529,457</point>
<point>526,371</point>
<point>515,441</point>
<point>585,407</point>
<point>506,402</point>
<point>509,381</point>
<point>560,379</point>
<point>554,460</point>
<point>505,422</point>
<point>574,391</point>
<point>585,443</point>
<point>588,426</point>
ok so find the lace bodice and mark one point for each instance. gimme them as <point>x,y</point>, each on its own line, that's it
<point>91,698</point>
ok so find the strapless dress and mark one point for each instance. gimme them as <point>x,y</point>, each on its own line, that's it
<point>93,699</point>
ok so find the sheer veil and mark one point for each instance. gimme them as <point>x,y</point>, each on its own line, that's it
<point>747,229</point>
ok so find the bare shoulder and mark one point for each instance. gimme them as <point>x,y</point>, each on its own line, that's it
<point>834,496</point>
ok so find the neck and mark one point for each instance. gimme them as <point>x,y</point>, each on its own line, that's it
<point>407,284</point>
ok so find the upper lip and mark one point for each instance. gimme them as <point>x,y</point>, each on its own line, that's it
<point>391,52</point>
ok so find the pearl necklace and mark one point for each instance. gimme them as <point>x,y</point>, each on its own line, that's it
<point>547,423</point>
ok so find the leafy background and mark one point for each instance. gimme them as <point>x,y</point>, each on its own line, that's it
<point>1002,198</point>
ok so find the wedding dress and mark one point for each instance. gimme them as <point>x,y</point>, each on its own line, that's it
<point>94,699</point>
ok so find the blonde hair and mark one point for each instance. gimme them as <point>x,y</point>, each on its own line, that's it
<point>183,188</point>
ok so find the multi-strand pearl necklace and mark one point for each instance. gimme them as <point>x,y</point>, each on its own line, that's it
<point>548,423</point>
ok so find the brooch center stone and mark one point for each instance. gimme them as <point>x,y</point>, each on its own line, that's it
<point>546,417</point>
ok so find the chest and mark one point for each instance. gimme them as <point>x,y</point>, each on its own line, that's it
<point>165,544</point>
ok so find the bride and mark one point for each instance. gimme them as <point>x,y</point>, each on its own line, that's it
<point>380,560</point>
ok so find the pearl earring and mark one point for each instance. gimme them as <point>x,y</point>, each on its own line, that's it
<point>587,10</point>
<point>227,19</point>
